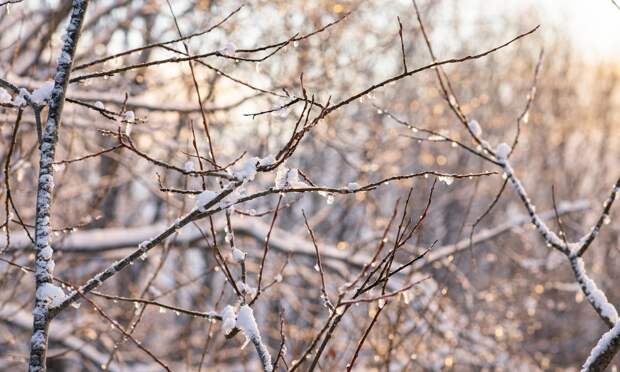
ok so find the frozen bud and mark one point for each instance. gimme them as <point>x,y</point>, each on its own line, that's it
<point>474,127</point>
<point>502,151</point>
<point>238,255</point>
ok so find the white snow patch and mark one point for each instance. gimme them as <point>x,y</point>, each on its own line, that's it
<point>229,320</point>
<point>37,339</point>
<point>204,198</point>
<point>50,294</point>
<point>43,93</point>
<point>286,178</point>
<point>47,252</point>
<point>602,345</point>
<point>232,198</point>
<point>247,323</point>
<point>267,160</point>
<point>50,266</point>
<point>248,170</point>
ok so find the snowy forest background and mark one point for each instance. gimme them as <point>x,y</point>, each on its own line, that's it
<point>304,185</point>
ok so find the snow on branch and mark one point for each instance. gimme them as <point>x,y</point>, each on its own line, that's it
<point>595,296</point>
<point>610,342</point>
<point>143,248</point>
<point>47,294</point>
<point>247,323</point>
<point>572,251</point>
<point>549,236</point>
<point>63,334</point>
<point>604,351</point>
<point>603,219</point>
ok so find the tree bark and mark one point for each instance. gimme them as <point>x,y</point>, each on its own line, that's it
<point>44,264</point>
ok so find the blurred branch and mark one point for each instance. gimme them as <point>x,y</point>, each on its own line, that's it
<point>62,334</point>
<point>10,2</point>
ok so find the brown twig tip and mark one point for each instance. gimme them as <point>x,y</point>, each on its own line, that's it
<point>402,45</point>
